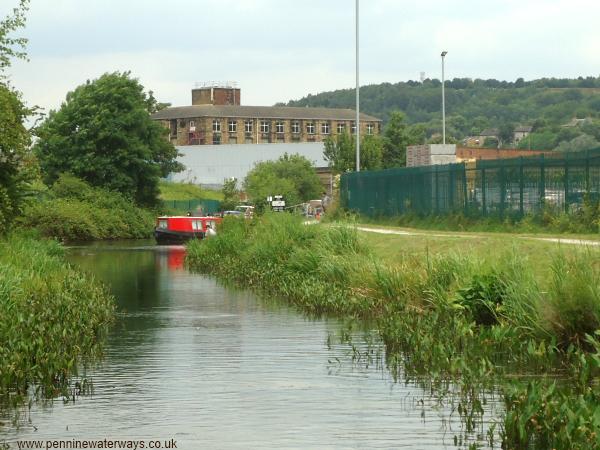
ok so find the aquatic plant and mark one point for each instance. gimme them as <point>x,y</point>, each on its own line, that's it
<point>53,319</point>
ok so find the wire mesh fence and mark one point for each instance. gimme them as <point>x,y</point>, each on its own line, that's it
<point>197,206</point>
<point>506,187</point>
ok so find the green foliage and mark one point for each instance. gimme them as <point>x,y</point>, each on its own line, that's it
<point>474,105</point>
<point>397,135</point>
<point>483,298</point>
<point>53,317</point>
<point>292,176</point>
<point>582,142</point>
<point>186,191</point>
<point>75,211</point>
<point>340,151</point>
<point>17,168</point>
<point>103,134</point>
<point>574,298</point>
<point>231,195</point>
<point>11,47</point>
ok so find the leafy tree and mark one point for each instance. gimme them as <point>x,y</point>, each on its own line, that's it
<point>396,137</point>
<point>340,151</point>
<point>231,195</point>
<point>292,176</point>
<point>490,142</point>
<point>506,134</point>
<point>103,134</point>
<point>17,168</point>
<point>583,142</point>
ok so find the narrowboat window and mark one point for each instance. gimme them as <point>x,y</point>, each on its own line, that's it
<point>162,224</point>
<point>211,224</point>
<point>196,225</point>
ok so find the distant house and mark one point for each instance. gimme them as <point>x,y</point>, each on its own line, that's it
<point>478,140</point>
<point>521,133</point>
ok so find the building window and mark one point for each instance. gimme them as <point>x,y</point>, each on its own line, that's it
<point>279,127</point>
<point>353,127</point>
<point>216,126</point>
<point>341,128</point>
<point>325,128</point>
<point>232,126</point>
<point>370,128</point>
<point>310,128</point>
<point>248,126</point>
<point>192,125</point>
<point>296,127</point>
<point>216,138</point>
<point>264,126</point>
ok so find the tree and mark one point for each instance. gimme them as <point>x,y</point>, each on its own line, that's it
<point>583,142</point>
<point>506,134</point>
<point>103,134</point>
<point>231,195</point>
<point>292,176</point>
<point>17,168</point>
<point>396,137</point>
<point>340,151</point>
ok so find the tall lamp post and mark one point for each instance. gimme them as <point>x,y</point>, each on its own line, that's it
<point>357,122</point>
<point>444,53</point>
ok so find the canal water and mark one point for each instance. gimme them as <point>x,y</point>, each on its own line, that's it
<point>216,368</point>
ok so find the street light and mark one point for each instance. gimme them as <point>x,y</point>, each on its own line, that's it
<point>444,53</point>
<point>357,122</point>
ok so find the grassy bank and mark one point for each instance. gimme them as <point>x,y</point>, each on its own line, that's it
<point>72,210</point>
<point>452,317</point>
<point>186,191</point>
<point>53,318</point>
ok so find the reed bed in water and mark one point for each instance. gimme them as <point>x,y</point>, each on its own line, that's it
<point>52,317</point>
<point>480,321</point>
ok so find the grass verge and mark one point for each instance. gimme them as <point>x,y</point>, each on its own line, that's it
<point>452,317</point>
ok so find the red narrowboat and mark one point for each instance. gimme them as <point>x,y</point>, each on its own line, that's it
<point>174,230</point>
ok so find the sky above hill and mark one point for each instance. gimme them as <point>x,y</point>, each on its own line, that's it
<point>277,50</point>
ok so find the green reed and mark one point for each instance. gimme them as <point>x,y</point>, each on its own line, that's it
<point>460,326</point>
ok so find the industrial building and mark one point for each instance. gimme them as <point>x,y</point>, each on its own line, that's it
<point>217,117</point>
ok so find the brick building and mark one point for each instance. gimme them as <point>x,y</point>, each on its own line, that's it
<point>217,117</point>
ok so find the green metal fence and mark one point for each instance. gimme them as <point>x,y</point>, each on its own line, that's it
<point>506,187</point>
<point>195,206</point>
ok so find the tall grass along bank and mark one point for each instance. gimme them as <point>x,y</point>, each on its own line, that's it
<point>53,318</point>
<point>468,325</point>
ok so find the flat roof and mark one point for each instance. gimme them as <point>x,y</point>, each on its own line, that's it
<point>259,112</point>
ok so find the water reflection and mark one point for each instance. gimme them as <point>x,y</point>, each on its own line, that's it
<point>217,369</point>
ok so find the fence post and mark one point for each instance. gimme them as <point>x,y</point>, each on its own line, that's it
<point>451,186</point>
<point>542,182</point>
<point>484,206</point>
<point>502,190</point>
<point>437,192</point>
<point>465,190</point>
<point>521,188</point>
<point>587,172</point>
<point>566,182</point>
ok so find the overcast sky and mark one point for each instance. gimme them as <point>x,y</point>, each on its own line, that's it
<point>277,50</point>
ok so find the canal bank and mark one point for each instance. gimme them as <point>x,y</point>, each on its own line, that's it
<point>211,367</point>
<point>451,319</point>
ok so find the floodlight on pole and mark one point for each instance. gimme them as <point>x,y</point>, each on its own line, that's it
<point>444,53</point>
<point>357,122</point>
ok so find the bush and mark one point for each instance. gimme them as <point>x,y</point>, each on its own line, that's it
<point>75,211</point>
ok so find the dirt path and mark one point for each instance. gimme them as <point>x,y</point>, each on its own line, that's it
<point>559,240</point>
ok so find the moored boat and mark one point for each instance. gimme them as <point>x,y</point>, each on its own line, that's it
<point>174,230</point>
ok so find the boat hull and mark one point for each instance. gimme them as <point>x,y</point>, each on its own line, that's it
<point>170,237</point>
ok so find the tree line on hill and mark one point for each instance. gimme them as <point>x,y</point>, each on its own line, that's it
<point>549,105</point>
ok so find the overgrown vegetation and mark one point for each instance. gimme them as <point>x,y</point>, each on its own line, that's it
<point>72,210</point>
<point>53,319</point>
<point>186,191</point>
<point>462,322</point>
